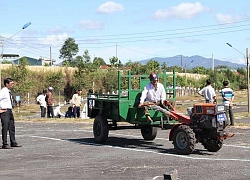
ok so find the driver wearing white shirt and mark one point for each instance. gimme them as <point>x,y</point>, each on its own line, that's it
<point>153,96</point>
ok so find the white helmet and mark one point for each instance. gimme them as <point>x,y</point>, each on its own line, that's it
<point>51,88</point>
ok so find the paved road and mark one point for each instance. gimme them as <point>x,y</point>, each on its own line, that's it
<point>68,151</point>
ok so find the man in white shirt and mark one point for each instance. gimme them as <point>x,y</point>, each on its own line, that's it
<point>153,96</point>
<point>208,92</point>
<point>41,100</point>
<point>57,112</point>
<point>7,117</point>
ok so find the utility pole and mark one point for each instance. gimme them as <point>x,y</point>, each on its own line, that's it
<point>248,93</point>
<point>116,50</point>
<point>1,42</point>
<point>213,62</point>
<point>51,61</point>
<point>181,64</point>
<point>248,88</point>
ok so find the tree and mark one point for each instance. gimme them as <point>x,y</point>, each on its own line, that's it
<point>55,79</point>
<point>65,63</point>
<point>174,68</point>
<point>164,66</point>
<point>21,75</point>
<point>129,64</point>
<point>69,50</point>
<point>78,61</point>
<point>199,70</point>
<point>152,65</point>
<point>110,81</point>
<point>119,64</point>
<point>113,60</point>
<point>86,59</point>
<point>136,68</point>
<point>5,61</point>
<point>97,62</point>
<point>241,71</point>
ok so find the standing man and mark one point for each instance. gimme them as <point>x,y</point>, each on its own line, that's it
<point>91,103</point>
<point>153,96</point>
<point>41,100</point>
<point>49,98</point>
<point>7,117</point>
<point>76,103</point>
<point>208,92</point>
<point>227,99</point>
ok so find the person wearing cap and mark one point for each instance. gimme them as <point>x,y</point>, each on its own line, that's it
<point>49,100</point>
<point>153,96</point>
<point>76,103</point>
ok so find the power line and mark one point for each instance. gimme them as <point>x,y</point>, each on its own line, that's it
<point>98,41</point>
<point>34,48</point>
<point>168,30</point>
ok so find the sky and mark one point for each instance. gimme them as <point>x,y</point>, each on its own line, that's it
<point>131,30</point>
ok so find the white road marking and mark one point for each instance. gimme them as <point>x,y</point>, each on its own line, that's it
<point>148,151</point>
<point>139,137</point>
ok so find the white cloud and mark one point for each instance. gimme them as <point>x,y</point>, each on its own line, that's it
<point>109,8</point>
<point>53,39</point>
<point>227,18</point>
<point>88,24</point>
<point>183,11</point>
<point>60,30</point>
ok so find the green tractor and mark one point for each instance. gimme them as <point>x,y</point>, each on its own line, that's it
<point>123,107</point>
<point>205,124</point>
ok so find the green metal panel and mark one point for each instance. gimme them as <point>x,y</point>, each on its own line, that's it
<point>122,107</point>
<point>143,83</point>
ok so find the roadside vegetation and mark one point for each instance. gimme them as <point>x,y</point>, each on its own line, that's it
<point>80,71</point>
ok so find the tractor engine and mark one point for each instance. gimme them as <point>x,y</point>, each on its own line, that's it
<point>206,124</point>
<point>210,119</point>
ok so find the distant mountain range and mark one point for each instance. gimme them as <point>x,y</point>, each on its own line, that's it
<point>194,61</point>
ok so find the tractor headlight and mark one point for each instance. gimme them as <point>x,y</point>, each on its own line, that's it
<point>220,108</point>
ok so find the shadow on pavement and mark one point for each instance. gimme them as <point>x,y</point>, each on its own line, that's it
<point>134,143</point>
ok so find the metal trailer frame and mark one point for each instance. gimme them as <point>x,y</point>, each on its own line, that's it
<point>123,107</point>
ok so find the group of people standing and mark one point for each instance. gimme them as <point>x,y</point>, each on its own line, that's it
<point>227,94</point>
<point>46,103</point>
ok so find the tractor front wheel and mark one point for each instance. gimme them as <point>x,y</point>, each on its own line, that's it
<point>212,144</point>
<point>148,133</point>
<point>100,129</point>
<point>184,140</point>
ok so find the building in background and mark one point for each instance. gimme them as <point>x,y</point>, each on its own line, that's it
<point>36,62</point>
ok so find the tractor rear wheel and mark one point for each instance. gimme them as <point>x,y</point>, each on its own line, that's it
<point>184,140</point>
<point>100,129</point>
<point>212,144</point>
<point>148,133</point>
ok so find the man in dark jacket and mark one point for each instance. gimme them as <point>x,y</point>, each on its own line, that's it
<point>49,100</point>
